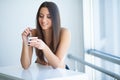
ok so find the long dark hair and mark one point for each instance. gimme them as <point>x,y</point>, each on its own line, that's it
<point>55,17</point>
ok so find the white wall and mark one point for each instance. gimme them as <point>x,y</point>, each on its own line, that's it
<point>16,15</point>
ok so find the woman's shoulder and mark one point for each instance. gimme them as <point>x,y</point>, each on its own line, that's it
<point>65,32</point>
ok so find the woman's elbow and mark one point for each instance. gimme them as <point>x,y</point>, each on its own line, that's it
<point>59,66</point>
<point>25,66</point>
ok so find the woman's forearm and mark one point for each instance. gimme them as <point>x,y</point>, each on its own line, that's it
<point>53,60</point>
<point>26,56</point>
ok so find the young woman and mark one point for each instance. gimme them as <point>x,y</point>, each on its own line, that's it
<point>50,40</point>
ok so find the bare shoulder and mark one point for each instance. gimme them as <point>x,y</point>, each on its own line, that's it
<point>64,30</point>
<point>65,33</point>
<point>34,32</point>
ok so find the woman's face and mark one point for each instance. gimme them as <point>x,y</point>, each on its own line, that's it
<point>45,18</point>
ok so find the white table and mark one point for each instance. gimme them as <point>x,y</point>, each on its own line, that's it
<point>39,72</point>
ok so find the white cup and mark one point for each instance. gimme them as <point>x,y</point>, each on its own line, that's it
<point>30,38</point>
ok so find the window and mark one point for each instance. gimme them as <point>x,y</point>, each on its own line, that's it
<point>101,32</point>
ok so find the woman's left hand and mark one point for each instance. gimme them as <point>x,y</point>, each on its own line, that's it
<point>37,43</point>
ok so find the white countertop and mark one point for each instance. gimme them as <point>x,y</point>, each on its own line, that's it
<point>39,72</point>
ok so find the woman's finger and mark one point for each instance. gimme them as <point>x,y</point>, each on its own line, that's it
<point>32,41</point>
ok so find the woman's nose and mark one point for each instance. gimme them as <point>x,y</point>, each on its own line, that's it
<point>44,19</point>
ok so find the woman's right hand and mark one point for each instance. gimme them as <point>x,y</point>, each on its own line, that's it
<point>25,35</point>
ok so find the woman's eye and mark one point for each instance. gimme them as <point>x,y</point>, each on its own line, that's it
<point>41,16</point>
<point>48,16</point>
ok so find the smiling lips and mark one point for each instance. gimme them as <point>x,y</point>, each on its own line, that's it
<point>44,24</point>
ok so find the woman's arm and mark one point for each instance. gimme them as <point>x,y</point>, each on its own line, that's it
<point>27,51</point>
<point>26,56</point>
<point>58,59</point>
